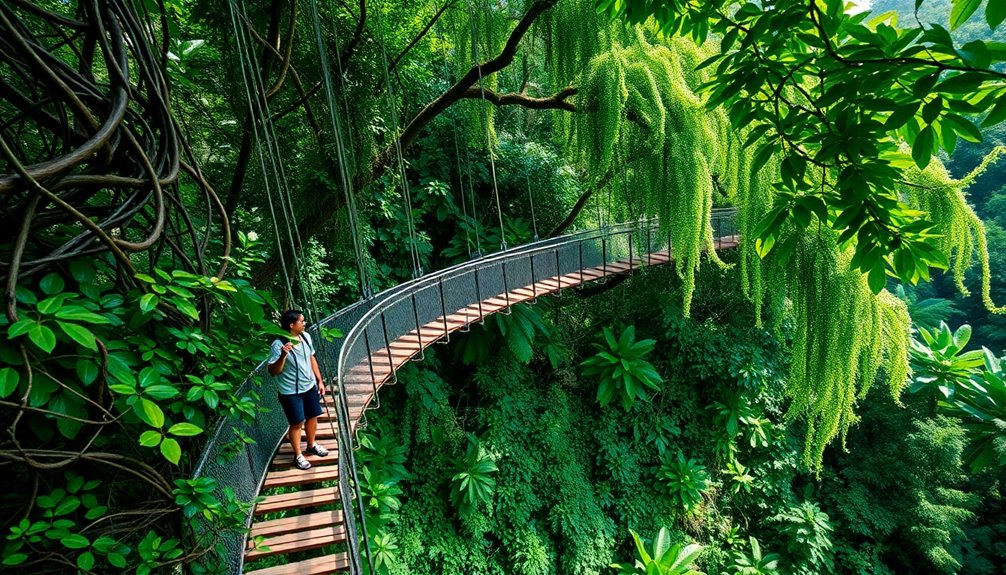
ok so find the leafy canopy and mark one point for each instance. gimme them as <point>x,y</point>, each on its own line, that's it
<point>834,97</point>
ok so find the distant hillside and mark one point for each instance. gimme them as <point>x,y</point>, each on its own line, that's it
<point>938,12</point>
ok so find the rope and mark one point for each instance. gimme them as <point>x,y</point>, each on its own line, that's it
<point>457,150</point>
<point>527,170</point>
<point>242,54</point>
<point>351,210</point>
<point>406,195</point>
<point>485,110</point>
<point>283,187</point>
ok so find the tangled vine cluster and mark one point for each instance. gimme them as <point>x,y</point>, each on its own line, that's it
<point>91,155</point>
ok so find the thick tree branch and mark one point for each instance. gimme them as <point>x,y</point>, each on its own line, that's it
<point>327,207</point>
<point>556,101</point>
<point>458,90</point>
<point>347,53</point>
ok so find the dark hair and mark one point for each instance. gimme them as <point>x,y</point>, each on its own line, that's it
<point>289,318</point>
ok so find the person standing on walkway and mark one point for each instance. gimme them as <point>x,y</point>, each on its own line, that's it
<point>293,363</point>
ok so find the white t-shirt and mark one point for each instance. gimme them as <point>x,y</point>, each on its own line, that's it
<point>297,375</point>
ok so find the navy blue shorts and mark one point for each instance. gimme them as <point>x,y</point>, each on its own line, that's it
<point>301,406</point>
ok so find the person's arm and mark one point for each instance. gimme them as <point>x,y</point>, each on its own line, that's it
<point>276,366</point>
<point>317,375</point>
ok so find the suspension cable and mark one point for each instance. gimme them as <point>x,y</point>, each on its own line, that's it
<point>270,140</point>
<point>406,195</point>
<point>351,210</point>
<point>489,142</point>
<point>457,150</point>
<point>252,110</point>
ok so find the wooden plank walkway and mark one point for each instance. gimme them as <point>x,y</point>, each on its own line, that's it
<point>312,529</point>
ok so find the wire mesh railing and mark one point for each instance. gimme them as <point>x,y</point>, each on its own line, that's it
<point>238,454</point>
<point>462,289</point>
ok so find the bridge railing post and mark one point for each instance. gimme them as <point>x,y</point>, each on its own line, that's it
<point>443,310</point>
<point>604,256</point>
<point>370,361</point>
<point>419,334</point>
<point>506,288</point>
<point>387,345</point>
<point>630,250</point>
<point>558,275</point>
<point>579,246</point>
<point>534,278</point>
<point>478,295</point>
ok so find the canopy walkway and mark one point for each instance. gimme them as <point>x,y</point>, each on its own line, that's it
<point>321,508</point>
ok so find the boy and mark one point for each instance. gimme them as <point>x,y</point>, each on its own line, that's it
<point>301,386</point>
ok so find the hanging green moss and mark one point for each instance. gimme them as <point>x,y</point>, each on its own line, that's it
<point>642,131</point>
<point>642,110</point>
<point>962,232</point>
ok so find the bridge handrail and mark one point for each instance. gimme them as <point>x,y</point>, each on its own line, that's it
<point>407,291</point>
<point>355,320</point>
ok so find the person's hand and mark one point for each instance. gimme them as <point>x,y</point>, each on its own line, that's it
<point>321,387</point>
<point>287,347</point>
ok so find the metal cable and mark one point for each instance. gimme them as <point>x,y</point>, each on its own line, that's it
<point>485,110</point>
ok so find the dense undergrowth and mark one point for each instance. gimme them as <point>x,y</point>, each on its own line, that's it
<point>511,466</point>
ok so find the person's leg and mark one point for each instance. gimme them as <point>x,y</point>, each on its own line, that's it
<point>293,406</point>
<point>312,409</point>
<point>310,429</point>
<point>294,436</point>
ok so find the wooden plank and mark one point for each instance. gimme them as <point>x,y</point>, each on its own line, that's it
<point>318,520</point>
<point>315,566</point>
<point>302,541</point>
<point>299,500</point>
<point>286,478</point>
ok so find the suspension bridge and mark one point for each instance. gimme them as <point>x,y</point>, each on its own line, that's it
<point>321,509</point>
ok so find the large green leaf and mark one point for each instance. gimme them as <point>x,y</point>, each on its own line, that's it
<point>962,10</point>
<point>995,13</point>
<point>43,337</point>
<point>9,379</point>
<point>79,334</point>
<point>149,412</point>
<point>171,450</point>
<point>51,284</point>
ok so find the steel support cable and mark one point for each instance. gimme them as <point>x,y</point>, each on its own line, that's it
<point>485,110</point>
<point>527,170</point>
<point>347,462</point>
<point>243,56</point>
<point>457,150</point>
<point>347,188</point>
<point>278,171</point>
<point>306,288</point>
<point>471,184</point>
<point>406,194</point>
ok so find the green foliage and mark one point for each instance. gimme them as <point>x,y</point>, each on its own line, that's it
<point>384,550</point>
<point>473,483</point>
<point>163,362</point>
<point>939,362</point>
<point>808,538</point>
<point>755,563</point>
<point>649,138</point>
<point>517,330</point>
<point>855,153</point>
<point>968,386</point>
<point>841,339</point>
<point>686,480</point>
<point>622,369</point>
<point>899,493</point>
<point>663,558</point>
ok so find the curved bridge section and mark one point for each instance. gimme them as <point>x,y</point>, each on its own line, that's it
<point>381,335</point>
